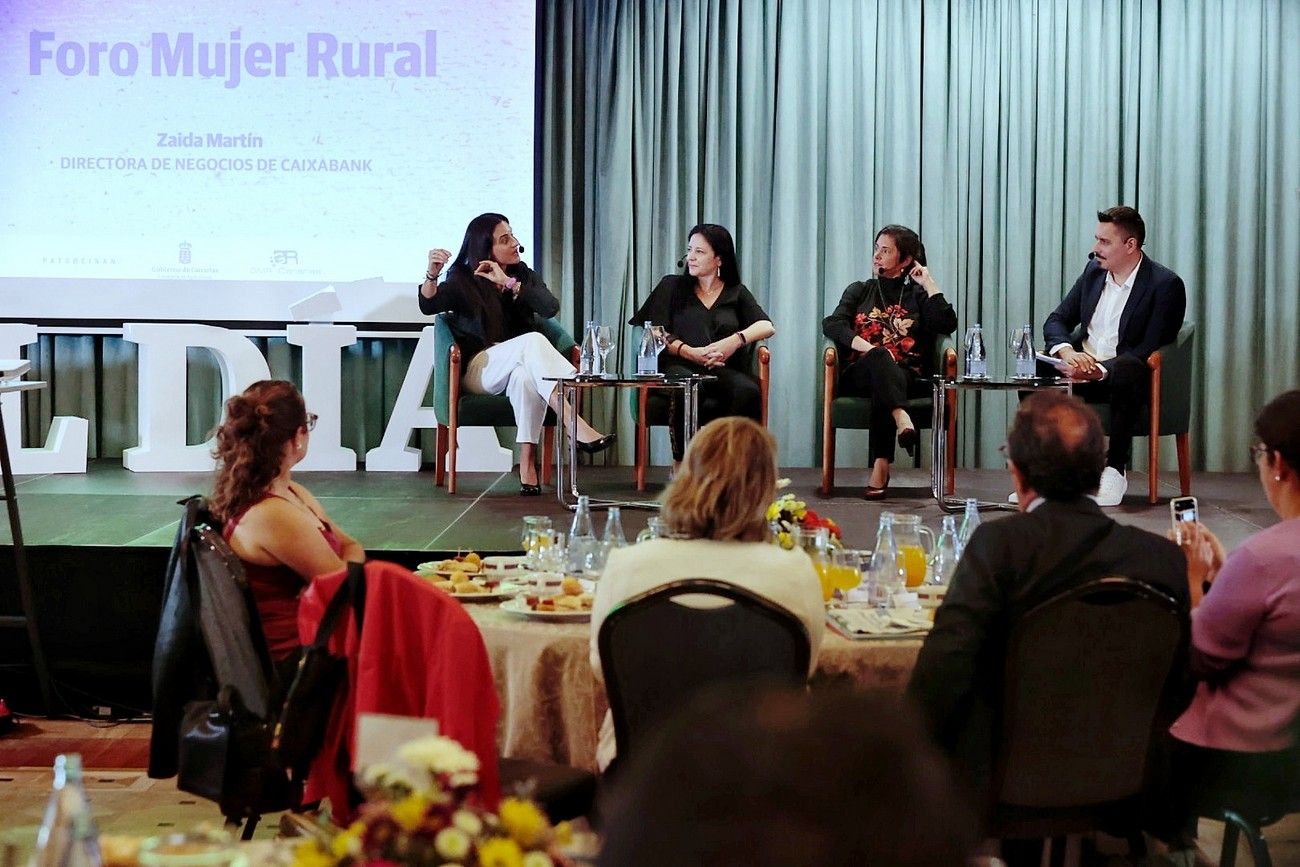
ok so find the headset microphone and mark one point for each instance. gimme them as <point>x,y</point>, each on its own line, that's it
<point>1092,254</point>
<point>521,249</point>
<point>681,263</point>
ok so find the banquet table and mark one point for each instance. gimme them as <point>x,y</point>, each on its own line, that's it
<point>552,704</point>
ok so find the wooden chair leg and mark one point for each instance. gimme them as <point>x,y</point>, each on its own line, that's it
<point>452,430</point>
<point>548,455</point>
<point>440,468</point>
<point>1184,444</point>
<point>642,439</point>
<point>828,460</point>
<point>1153,467</point>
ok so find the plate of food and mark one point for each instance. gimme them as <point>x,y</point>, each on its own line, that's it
<point>573,603</point>
<point>475,589</point>
<point>504,565</point>
<point>462,565</point>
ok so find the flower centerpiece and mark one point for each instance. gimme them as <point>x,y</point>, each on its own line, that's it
<point>421,813</point>
<point>788,513</point>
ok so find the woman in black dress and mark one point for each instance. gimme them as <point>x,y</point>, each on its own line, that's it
<point>885,329</point>
<point>713,324</point>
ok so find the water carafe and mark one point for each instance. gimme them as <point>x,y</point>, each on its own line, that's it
<point>647,356</point>
<point>977,359</point>
<point>885,575</point>
<point>582,538</point>
<point>969,522</point>
<point>946,552</point>
<point>68,836</point>
<point>587,352</point>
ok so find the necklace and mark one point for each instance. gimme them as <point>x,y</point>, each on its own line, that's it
<point>902,289</point>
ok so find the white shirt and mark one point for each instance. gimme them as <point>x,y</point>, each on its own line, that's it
<point>1102,341</point>
<point>1103,331</point>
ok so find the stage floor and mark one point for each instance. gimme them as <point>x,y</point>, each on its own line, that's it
<point>405,512</point>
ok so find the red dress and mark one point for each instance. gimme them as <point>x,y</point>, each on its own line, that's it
<point>276,590</point>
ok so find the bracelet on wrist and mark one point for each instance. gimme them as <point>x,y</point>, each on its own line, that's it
<point>741,335</point>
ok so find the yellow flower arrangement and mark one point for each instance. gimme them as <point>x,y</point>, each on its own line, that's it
<point>426,818</point>
<point>787,513</point>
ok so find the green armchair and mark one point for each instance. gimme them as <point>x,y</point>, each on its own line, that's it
<point>854,413</point>
<point>652,409</point>
<point>455,407</point>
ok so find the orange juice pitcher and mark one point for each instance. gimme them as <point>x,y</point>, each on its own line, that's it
<point>915,543</point>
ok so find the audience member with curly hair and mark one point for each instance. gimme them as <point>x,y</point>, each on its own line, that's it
<point>277,528</point>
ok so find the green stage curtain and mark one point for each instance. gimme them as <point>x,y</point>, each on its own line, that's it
<point>996,128</point>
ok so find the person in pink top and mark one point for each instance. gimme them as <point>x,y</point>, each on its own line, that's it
<point>277,528</point>
<point>1236,742</point>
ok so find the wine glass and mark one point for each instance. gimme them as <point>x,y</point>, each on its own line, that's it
<point>605,344</point>
<point>660,335</point>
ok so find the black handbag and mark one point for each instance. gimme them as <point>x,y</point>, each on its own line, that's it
<point>224,755</point>
<point>223,745</point>
<point>305,714</point>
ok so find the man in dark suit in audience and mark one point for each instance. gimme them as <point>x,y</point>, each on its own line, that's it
<point>1129,305</point>
<point>1061,540</point>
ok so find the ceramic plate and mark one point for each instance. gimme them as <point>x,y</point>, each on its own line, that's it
<point>519,607</point>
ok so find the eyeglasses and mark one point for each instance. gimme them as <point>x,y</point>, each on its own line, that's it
<point>1257,450</point>
<point>311,421</point>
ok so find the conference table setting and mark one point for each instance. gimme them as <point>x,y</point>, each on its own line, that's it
<point>534,613</point>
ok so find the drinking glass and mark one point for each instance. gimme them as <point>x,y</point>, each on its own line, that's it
<point>654,529</point>
<point>604,345</point>
<point>660,335</point>
<point>844,574</point>
<point>533,538</point>
<point>886,577</point>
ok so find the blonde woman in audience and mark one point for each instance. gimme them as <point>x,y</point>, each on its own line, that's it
<point>277,528</point>
<point>1237,740</point>
<point>715,512</point>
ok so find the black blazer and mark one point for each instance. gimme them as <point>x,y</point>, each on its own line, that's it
<point>1151,318</point>
<point>1010,566</point>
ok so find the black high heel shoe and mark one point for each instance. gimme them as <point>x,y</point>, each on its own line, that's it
<point>597,446</point>
<point>527,490</point>
<point>908,439</point>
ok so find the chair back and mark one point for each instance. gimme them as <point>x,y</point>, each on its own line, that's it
<point>1176,381</point>
<point>1085,674</point>
<point>443,341</point>
<point>660,648</point>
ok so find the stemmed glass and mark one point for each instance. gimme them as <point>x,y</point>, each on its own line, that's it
<point>1015,342</point>
<point>605,343</point>
<point>660,335</point>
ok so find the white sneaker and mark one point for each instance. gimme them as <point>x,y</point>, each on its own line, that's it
<point>1113,487</point>
<point>1013,497</point>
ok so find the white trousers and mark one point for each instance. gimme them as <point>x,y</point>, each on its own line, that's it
<point>517,367</point>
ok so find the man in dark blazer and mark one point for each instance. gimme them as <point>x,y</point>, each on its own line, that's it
<point>1128,305</point>
<point>1060,540</point>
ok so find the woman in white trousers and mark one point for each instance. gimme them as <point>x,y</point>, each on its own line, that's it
<point>494,301</point>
